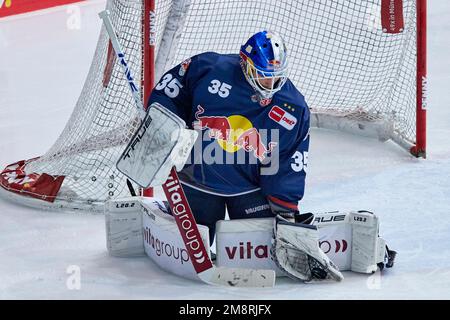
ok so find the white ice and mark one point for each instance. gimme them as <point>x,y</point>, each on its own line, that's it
<point>44,58</point>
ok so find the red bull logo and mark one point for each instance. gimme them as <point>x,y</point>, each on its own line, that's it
<point>233,133</point>
<point>219,126</point>
<point>250,141</point>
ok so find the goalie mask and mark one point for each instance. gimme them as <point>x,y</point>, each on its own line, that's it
<point>264,63</point>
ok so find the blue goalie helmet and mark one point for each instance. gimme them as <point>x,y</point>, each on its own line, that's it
<point>264,63</point>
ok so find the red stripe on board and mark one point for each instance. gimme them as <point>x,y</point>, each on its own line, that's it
<point>12,7</point>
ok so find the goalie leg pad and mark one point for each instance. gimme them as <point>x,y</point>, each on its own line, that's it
<point>368,249</point>
<point>349,239</point>
<point>360,229</point>
<point>123,220</point>
<point>163,243</point>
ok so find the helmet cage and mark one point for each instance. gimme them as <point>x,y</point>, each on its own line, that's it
<point>253,75</point>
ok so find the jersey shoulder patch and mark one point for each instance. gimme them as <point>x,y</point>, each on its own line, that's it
<point>282,117</point>
<point>289,107</point>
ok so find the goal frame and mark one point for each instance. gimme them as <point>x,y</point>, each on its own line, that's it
<point>381,129</point>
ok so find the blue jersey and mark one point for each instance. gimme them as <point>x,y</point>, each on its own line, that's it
<point>244,143</point>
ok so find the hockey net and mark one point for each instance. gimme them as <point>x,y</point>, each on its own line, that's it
<point>356,75</point>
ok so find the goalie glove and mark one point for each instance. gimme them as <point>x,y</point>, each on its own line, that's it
<point>296,251</point>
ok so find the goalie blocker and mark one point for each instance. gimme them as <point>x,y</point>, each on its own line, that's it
<point>160,143</point>
<point>143,226</point>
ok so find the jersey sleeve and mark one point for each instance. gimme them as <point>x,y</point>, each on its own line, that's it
<point>286,187</point>
<point>174,89</point>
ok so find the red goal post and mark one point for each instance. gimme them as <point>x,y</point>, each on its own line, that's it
<point>148,66</point>
<point>419,149</point>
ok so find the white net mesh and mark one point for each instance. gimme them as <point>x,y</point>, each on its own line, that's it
<point>340,59</point>
<point>103,120</point>
<point>339,56</point>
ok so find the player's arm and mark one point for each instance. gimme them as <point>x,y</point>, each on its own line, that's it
<point>286,188</point>
<point>174,89</point>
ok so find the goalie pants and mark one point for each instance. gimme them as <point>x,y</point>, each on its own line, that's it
<point>210,208</point>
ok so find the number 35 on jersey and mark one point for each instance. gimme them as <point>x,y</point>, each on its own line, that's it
<point>220,88</point>
<point>299,161</point>
<point>170,85</point>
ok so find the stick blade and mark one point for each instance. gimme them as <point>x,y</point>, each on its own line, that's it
<point>238,277</point>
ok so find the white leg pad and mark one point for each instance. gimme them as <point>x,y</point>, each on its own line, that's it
<point>367,248</point>
<point>123,220</point>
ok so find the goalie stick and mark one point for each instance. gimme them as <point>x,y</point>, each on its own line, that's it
<point>182,212</point>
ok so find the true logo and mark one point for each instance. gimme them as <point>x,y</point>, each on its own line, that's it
<point>331,218</point>
<point>138,137</point>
